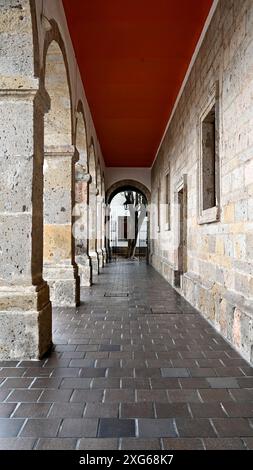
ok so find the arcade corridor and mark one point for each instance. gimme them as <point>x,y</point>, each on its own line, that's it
<point>150,103</point>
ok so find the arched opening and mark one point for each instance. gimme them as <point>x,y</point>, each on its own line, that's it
<point>105,258</point>
<point>128,221</point>
<point>99,217</point>
<point>93,192</point>
<point>82,180</point>
<point>59,157</point>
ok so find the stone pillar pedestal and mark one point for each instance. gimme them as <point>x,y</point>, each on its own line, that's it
<point>26,321</point>
<point>93,254</point>
<point>104,232</point>
<point>99,232</point>
<point>104,256</point>
<point>84,270</point>
<point>107,233</point>
<point>100,258</point>
<point>60,269</point>
<point>25,308</point>
<point>81,226</point>
<point>95,263</point>
<point>64,284</point>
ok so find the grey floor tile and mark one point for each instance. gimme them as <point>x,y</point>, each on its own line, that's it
<point>75,383</point>
<point>194,427</point>
<point>17,443</point>
<point>172,410</point>
<point>101,410</point>
<point>6,409</point>
<point>67,410</point>
<point>182,444</point>
<point>59,396</point>
<point>110,427</point>
<point>137,410</point>
<point>233,427</point>
<point>74,427</point>
<point>32,410</point>
<point>223,444</point>
<point>223,382</point>
<point>140,444</point>
<point>175,372</point>
<point>41,427</point>
<point>56,443</point>
<point>97,444</point>
<point>10,427</point>
<point>156,428</point>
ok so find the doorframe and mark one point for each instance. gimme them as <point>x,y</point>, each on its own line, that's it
<point>181,185</point>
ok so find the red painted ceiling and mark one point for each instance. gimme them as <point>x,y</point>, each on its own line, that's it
<point>133,56</point>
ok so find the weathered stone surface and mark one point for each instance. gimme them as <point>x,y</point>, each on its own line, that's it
<point>218,281</point>
<point>59,267</point>
<point>57,245</point>
<point>64,284</point>
<point>81,226</point>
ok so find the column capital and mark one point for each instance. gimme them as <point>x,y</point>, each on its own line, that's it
<point>29,91</point>
<point>93,189</point>
<point>81,173</point>
<point>100,199</point>
<point>59,151</point>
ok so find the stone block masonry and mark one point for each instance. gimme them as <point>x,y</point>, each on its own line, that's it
<point>218,279</point>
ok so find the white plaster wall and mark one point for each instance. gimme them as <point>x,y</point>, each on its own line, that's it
<point>115,174</point>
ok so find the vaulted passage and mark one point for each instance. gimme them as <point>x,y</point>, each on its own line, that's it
<point>126,224</point>
<point>136,367</point>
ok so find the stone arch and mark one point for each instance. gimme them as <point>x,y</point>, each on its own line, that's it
<point>56,81</point>
<point>92,163</point>
<point>127,184</point>
<point>60,156</point>
<point>80,136</point>
<point>103,185</point>
<point>82,181</point>
<point>100,202</point>
<point>93,193</point>
<point>112,191</point>
<point>105,257</point>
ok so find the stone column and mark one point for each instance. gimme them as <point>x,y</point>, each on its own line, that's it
<point>25,308</point>
<point>93,192</point>
<point>107,232</point>
<point>103,233</point>
<point>60,269</point>
<point>81,227</point>
<point>99,231</point>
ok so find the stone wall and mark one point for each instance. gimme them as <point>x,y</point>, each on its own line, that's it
<point>41,95</point>
<point>218,279</point>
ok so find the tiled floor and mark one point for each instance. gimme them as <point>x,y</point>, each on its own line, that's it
<point>125,376</point>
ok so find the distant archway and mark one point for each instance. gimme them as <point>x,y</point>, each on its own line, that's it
<point>118,219</point>
<point>127,184</point>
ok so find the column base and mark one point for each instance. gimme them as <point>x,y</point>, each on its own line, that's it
<point>104,256</point>
<point>84,270</point>
<point>95,264</point>
<point>64,284</point>
<point>100,258</point>
<point>26,322</point>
